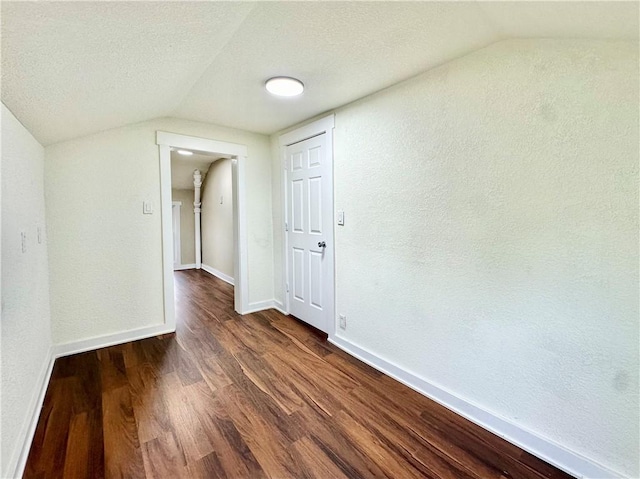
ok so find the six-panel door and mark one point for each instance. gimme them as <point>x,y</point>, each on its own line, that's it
<point>310,235</point>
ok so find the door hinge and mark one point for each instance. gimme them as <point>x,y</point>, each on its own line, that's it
<point>286,226</point>
<point>287,287</point>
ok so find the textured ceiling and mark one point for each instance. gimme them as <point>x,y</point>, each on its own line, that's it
<point>74,68</point>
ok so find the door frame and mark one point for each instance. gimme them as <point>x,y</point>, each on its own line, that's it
<point>315,128</point>
<point>175,224</point>
<point>238,155</point>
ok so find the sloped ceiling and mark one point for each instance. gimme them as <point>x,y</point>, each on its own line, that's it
<point>182,168</point>
<point>74,68</point>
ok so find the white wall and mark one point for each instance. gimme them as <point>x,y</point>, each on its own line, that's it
<point>217,218</point>
<point>277,198</point>
<point>491,236</point>
<point>187,225</point>
<point>105,255</point>
<point>25,324</point>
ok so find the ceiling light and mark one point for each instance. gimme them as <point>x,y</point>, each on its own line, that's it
<point>185,152</point>
<point>284,86</point>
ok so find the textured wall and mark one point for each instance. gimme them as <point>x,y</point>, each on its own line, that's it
<point>217,219</point>
<point>26,328</point>
<point>187,225</point>
<point>491,237</point>
<point>105,255</point>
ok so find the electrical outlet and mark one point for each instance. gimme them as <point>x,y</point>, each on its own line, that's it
<point>39,235</point>
<point>23,241</point>
<point>343,321</point>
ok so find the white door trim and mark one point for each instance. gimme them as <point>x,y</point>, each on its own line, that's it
<point>238,153</point>
<point>315,128</point>
<point>318,127</point>
<point>176,234</point>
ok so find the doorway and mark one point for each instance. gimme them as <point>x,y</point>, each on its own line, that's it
<point>189,173</point>
<point>308,218</point>
<point>238,155</point>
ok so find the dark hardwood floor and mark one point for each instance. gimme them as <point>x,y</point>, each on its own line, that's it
<point>251,396</point>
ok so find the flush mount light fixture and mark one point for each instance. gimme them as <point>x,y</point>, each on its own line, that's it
<point>284,86</point>
<point>184,152</point>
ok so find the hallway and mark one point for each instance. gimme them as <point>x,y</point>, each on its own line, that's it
<point>250,396</point>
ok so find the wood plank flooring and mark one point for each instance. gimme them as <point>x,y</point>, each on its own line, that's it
<point>256,396</point>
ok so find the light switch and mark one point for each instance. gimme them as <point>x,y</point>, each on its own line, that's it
<point>340,218</point>
<point>147,207</point>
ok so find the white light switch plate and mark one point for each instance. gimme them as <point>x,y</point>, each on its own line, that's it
<point>340,218</point>
<point>147,207</point>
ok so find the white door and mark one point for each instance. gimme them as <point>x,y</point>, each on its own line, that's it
<point>175,211</point>
<point>309,227</point>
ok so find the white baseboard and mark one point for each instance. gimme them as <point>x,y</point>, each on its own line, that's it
<point>547,450</point>
<point>262,305</point>
<point>181,267</point>
<point>218,274</point>
<point>19,461</point>
<point>279,306</point>
<point>90,344</point>
<point>259,306</point>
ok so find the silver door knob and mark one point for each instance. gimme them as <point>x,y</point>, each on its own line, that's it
<point>322,244</point>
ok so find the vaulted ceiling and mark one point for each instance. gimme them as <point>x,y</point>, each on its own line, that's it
<point>74,68</point>
<point>182,168</point>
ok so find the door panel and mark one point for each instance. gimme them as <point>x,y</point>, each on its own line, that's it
<point>309,212</point>
<point>315,205</point>
<point>314,156</point>
<point>296,161</point>
<point>315,279</point>
<point>297,205</point>
<point>298,274</point>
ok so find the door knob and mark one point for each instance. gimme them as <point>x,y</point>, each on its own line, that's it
<point>322,244</point>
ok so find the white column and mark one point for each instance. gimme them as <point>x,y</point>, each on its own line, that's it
<point>197,183</point>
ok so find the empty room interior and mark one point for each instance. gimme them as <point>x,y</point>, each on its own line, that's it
<point>320,239</point>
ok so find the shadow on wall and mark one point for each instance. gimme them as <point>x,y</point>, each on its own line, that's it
<point>217,218</point>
